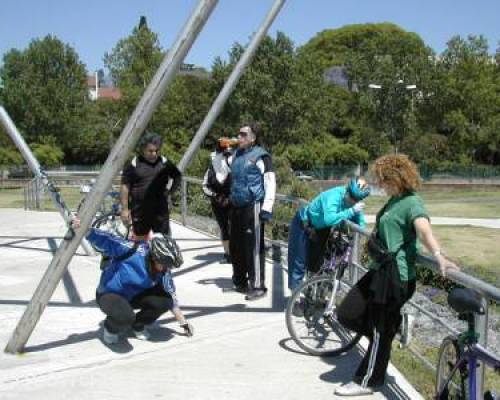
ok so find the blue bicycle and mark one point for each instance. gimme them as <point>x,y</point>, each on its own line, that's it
<point>459,354</point>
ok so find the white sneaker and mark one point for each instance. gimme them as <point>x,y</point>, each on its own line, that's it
<point>142,335</point>
<point>353,389</point>
<point>108,337</point>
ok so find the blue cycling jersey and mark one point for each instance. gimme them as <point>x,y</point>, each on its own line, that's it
<point>130,276</point>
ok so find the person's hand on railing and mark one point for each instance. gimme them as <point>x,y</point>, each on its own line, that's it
<point>75,223</point>
<point>445,264</point>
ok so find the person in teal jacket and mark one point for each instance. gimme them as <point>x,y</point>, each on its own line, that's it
<point>310,227</point>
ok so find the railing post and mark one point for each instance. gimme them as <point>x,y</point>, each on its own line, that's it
<point>24,197</point>
<point>354,259</point>
<point>32,199</point>
<point>184,205</point>
<point>276,246</point>
<point>37,194</point>
<point>481,326</point>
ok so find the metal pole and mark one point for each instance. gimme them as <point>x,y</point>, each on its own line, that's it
<point>40,175</point>
<point>354,259</point>
<point>184,202</point>
<point>481,326</point>
<point>25,192</point>
<point>229,86</point>
<point>125,143</point>
<point>256,284</point>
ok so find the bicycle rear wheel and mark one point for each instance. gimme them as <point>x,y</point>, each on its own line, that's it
<point>311,326</point>
<point>451,383</point>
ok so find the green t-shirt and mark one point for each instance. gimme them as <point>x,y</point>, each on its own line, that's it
<point>396,228</point>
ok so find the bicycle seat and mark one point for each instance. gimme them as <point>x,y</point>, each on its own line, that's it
<point>465,301</point>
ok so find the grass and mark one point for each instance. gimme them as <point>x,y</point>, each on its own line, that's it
<point>476,249</point>
<point>421,377</point>
<point>14,198</point>
<point>460,204</point>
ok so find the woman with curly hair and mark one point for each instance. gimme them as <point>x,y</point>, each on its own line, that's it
<point>373,306</point>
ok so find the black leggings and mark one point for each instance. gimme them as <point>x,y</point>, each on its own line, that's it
<point>120,315</point>
<point>222,217</point>
<point>377,322</point>
<point>149,216</point>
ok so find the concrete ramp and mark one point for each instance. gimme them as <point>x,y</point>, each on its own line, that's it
<point>240,350</point>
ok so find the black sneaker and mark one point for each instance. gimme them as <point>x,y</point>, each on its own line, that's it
<point>256,294</point>
<point>240,289</point>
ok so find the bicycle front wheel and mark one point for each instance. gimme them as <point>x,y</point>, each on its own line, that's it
<point>451,382</point>
<point>111,223</point>
<point>312,324</point>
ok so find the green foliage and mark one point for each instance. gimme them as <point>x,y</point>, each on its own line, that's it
<point>134,60</point>
<point>48,155</point>
<point>325,150</point>
<point>44,89</point>
<point>10,157</point>
<point>312,116</point>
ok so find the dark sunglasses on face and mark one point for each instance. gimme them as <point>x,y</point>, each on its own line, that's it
<point>243,134</point>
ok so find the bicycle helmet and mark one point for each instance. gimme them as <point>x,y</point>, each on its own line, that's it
<point>165,251</point>
<point>358,189</point>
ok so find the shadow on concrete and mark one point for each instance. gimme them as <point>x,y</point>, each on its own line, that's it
<point>200,248</point>
<point>284,344</point>
<point>25,239</point>
<point>68,282</point>
<point>197,240</point>
<point>221,283</point>
<point>89,304</point>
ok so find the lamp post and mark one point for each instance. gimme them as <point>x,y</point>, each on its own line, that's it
<point>393,90</point>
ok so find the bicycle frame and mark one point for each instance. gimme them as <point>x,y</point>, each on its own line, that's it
<point>471,353</point>
<point>337,268</point>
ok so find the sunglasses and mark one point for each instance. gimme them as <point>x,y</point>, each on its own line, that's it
<point>244,134</point>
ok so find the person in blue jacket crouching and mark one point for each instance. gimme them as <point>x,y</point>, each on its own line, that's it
<point>138,276</point>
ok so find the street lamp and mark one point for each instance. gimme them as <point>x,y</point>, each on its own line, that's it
<point>396,86</point>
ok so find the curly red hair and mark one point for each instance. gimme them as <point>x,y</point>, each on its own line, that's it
<point>397,171</point>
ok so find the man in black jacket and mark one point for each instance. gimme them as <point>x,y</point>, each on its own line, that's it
<point>146,182</point>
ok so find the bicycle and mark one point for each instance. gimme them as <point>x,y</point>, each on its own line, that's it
<point>314,326</point>
<point>108,216</point>
<point>459,354</point>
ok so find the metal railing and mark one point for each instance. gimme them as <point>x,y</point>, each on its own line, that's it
<point>489,292</point>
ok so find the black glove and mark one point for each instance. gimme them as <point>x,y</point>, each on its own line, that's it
<point>265,216</point>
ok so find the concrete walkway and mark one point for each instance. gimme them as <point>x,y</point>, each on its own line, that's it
<point>239,351</point>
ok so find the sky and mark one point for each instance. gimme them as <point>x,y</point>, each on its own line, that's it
<point>93,27</point>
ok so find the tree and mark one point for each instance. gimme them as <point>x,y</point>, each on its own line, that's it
<point>134,60</point>
<point>44,89</point>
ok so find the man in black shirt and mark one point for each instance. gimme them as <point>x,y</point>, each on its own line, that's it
<point>146,181</point>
